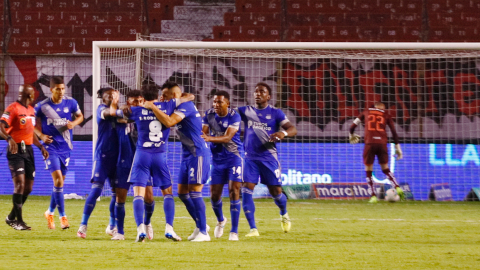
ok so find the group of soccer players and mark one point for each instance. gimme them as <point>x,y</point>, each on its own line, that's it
<point>131,151</point>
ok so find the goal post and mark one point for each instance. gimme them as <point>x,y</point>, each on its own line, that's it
<point>432,90</point>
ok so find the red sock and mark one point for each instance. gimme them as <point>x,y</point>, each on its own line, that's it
<point>370,183</point>
<point>391,177</point>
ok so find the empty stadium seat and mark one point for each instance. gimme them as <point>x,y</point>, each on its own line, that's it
<point>252,19</point>
<point>37,5</point>
<point>446,19</point>
<point>438,34</point>
<point>258,5</point>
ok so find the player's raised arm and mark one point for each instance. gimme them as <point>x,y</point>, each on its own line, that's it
<point>352,137</point>
<point>166,120</point>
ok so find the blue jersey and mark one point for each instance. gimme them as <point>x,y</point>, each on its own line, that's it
<point>152,135</point>
<point>126,144</point>
<point>107,141</point>
<point>54,119</point>
<point>218,127</point>
<point>189,131</point>
<point>259,125</point>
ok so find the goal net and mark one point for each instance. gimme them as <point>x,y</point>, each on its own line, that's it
<point>430,90</point>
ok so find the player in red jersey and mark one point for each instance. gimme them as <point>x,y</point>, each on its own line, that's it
<point>376,120</point>
<point>16,126</point>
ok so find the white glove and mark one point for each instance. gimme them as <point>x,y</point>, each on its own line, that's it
<point>353,138</point>
<point>398,151</point>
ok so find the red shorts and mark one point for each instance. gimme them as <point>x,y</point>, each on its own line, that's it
<point>372,150</point>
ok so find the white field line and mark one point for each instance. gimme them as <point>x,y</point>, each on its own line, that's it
<point>397,219</point>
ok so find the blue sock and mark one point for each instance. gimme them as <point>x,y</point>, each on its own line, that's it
<point>235,209</point>
<point>58,194</point>
<point>217,209</point>
<point>249,206</point>
<point>91,202</point>
<point>169,208</point>
<point>189,205</point>
<point>53,204</point>
<point>113,223</point>
<point>199,210</point>
<point>281,202</point>
<point>149,208</point>
<point>120,216</point>
<point>138,209</point>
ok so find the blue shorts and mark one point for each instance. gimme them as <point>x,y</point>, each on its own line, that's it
<point>103,168</point>
<point>121,179</point>
<point>268,171</point>
<point>147,164</point>
<point>57,162</point>
<point>227,170</point>
<point>195,170</point>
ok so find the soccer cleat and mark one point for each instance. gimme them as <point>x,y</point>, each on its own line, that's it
<point>252,233</point>
<point>202,238</point>
<point>22,226</point>
<point>50,222</point>
<point>195,233</point>
<point>218,232</point>
<point>233,236</point>
<point>109,231</point>
<point>64,223</point>
<point>11,223</point>
<point>149,230</point>
<point>400,193</point>
<point>170,234</point>
<point>141,234</point>
<point>118,236</point>
<point>82,231</point>
<point>286,224</point>
<point>373,199</point>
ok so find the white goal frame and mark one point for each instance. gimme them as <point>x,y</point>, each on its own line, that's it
<point>97,45</point>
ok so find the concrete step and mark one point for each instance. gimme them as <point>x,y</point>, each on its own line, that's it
<point>209,2</point>
<point>186,27</point>
<point>194,37</point>
<point>200,13</point>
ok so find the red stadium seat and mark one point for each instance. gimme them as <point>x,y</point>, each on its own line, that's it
<point>299,33</point>
<point>470,19</point>
<point>446,19</point>
<point>438,34</point>
<point>395,6</point>
<point>365,6</point>
<point>467,34</point>
<point>434,6</point>
<point>258,5</point>
<point>61,31</point>
<point>369,34</point>
<point>252,19</point>
<point>299,6</point>
<point>37,5</point>
<point>87,6</point>
<point>83,45</point>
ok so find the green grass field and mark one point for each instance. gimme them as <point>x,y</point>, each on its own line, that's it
<point>324,235</point>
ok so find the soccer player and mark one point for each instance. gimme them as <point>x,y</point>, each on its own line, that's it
<point>127,139</point>
<point>376,144</point>
<point>151,160</point>
<point>223,126</point>
<point>105,161</point>
<point>262,131</point>
<point>195,165</point>
<point>16,126</point>
<point>55,130</point>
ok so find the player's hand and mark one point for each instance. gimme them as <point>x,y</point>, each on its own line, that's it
<point>188,97</point>
<point>148,105</point>
<point>276,137</point>
<point>205,137</point>
<point>46,139</point>
<point>70,125</point>
<point>44,153</point>
<point>126,110</point>
<point>12,146</point>
<point>115,97</point>
<point>398,151</point>
<point>353,138</point>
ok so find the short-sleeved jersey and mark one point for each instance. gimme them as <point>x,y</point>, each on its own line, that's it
<point>259,125</point>
<point>126,144</point>
<point>54,119</point>
<point>376,121</point>
<point>218,127</point>
<point>20,122</point>
<point>107,141</point>
<point>152,135</point>
<point>189,131</point>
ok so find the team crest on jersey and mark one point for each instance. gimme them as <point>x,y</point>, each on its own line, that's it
<point>225,124</point>
<point>65,110</point>
<point>144,112</point>
<point>23,121</point>
<point>58,109</point>
<point>269,116</point>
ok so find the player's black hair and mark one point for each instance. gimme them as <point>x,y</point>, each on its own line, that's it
<point>266,86</point>
<point>134,93</point>
<point>150,92</point>
<point>168,85</point>
<point>103,90</point>
<point>56,80</point>
<point>225,94</point>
